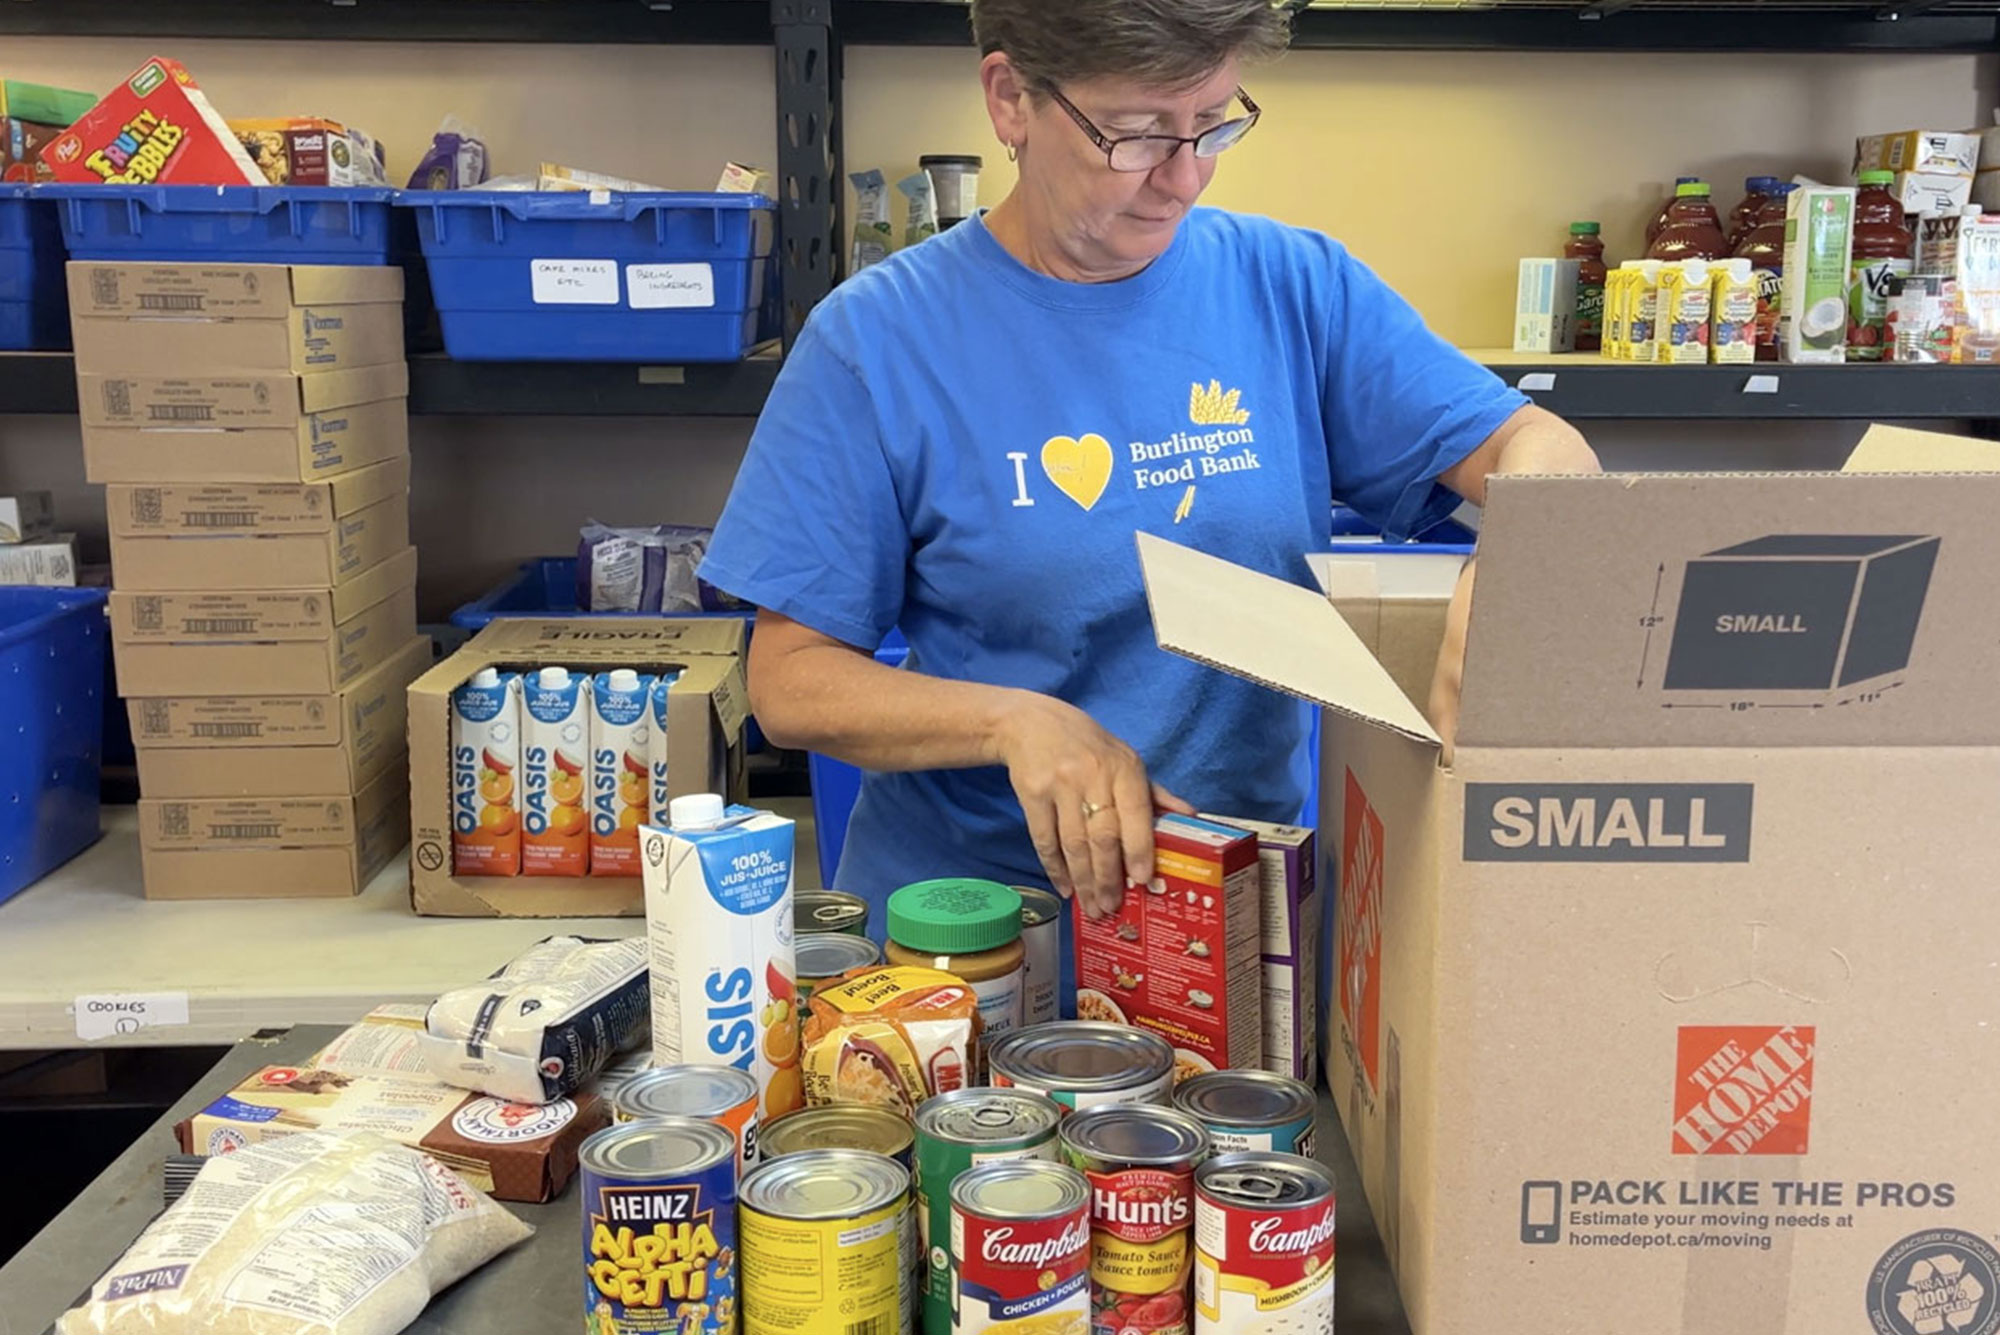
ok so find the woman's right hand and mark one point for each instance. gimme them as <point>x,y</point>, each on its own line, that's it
<point>1089,804</point>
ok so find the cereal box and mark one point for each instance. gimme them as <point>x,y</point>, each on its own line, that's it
<point>1288,859</point>
<point>1183,956</point>
<point>155,128</point>
<point>311,150</point>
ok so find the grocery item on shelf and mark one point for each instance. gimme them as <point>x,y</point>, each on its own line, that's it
<point>555,755</point>
<point>1020,1248</point>
<point>1287,857</point>
<point>1084,1063</point>
<point>719,1094</point>
<point>873,236</point>
<point>825,1237</point>
<point>1931,171</point>
<point>1182,957</point>
<point>311,150</point>
<point>1687,307</point>
<point>954,185</point>
<point>621,750</point>
<point>1545,306</point>
<point>1976,293</point>
<point>257,1244</point>
<point>1937,243</point>
<point>1883,249</point>
<point>1692,230</point>
<point>968,928</point>
<point>455,160</point>
<point>660,1229</point>
<point>1251,1110</point>
<point>48,562</point>
<point>1757,191</point>
<point>1733,312</point>
<point>1819,231</point>
<point>1041,936</point>
<point>1586,247</point>
<point>1616,287</point>
<point>831,911</point>
<point>1264,1244</point>
<point>1140,1162</point>
<point>1764,246</point>
<point>719,916</point>
<point>1986,181</point>
<point>1659,220</point>
<point>956,1132</point>
<point>32,114</point>
<point>557,177</point>
<point>155,128</point>
<point>737,179</point>
<point>1642,310</point>
<point>649,569</point>
<point>824,958</point>
<point>920,216</point>
<point>485,774</point>
<point>1918,324</point>
<point>545,1024</point>
<point>892,1036</point>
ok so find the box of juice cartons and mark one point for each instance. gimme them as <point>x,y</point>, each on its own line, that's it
<point>1287,859</point>
<point>719,920</point>
<point>485,768</point>
<point>1183,956</point>
<point>1733,312</point>
<point>555,751</point>
<point>1686,302</point>
<point>1642,310</point>
<point>1819,233</point>
<point>621,770</point>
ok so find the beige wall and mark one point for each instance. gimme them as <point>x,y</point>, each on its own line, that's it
<point>1441,170</point>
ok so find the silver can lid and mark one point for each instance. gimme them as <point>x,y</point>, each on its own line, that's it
<point>1021,1189</point>
<point>657,1148</point>
<point>824,1184</point>
<point>827,911</point>
<point>989,1118</point>
<point>1261,1181</point>
<point>1135,1134</point>
<point>684,1091</point>
<point>1038,907</point>
<point>1246,1098</point>
<point>837,1126</point>
<point>1082,1055</point>
<point>831,954</point>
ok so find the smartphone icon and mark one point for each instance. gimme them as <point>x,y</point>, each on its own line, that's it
<point>1541,1213</point>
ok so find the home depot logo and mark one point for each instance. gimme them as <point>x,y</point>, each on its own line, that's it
<point>1360,931</point>
<point>1743,1089</point>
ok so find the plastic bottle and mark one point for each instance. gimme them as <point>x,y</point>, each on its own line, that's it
<point>1884,248</point>
<point>1764,246</point>
<point>1756,189</point>
<point>1660,219</point>
<point>1693,231</point>
<point>1586,247</point>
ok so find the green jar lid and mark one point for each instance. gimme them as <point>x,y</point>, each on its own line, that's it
<point>954,916</point>
<point>1692,190</point>
<point>1583,229</point>
<point>1877,178</point>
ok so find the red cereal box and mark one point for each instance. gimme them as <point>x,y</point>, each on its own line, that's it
<point>1183,957</point>
<point>155,128</point>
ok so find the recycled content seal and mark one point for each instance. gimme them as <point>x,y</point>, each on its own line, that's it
<point>1943,1281</point>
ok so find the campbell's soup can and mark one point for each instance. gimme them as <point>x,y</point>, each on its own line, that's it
<point>957,1131</point>
<point>1263,1238</point>
<point>1251,1110</point>
<point>1140,1162</point>
<point>1020,1249</point>
<point>659,1228</point>
<point>719,1094</point>
<point>825,1245</point>
<point>1084,1063</point>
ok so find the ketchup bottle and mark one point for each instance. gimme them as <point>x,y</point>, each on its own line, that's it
<point>1693,231</point>
<point>1586,247</point>
<point>1883,250</point>
<point>1660,219</point>
<point>1764,246</point>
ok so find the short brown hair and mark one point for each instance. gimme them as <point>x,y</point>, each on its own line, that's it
<point>1171,43</point>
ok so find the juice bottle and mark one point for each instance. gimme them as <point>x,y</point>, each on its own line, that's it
<point>1660,219</point>
<point>1693,232</point>
<point>1764,246</point>
<point>621,769</point>
<point>656,711</point>
<point>485,761</point>
<point>1586,247</point>
<point>555,752</point>
<point>1884,248</point>
<point>1756,189</point>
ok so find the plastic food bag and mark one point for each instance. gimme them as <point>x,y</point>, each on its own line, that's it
<point>545,1025</point>
<point>315,1234</point>
<point>641,569</point>
<point>873,238</point>
<point>892,1036</point>
<point>456,159</point>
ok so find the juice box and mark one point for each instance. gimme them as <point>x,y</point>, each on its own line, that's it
<point>1819,236</point>
<point>1545,306</point>
<point>1686,305</point>
<point>621,768</point>
<point>719,924</point>
<point>656,709</point>
<point>555,752</point>
<point>1183,957</point>
<point>1733,312</point>
<point>1616,285</point>
<point>1642,311</point>
<point>485,764</point>
<point>156,128</point>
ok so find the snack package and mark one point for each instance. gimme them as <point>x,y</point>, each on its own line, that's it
<point>311,150</point>
<point>873,239</point>
<point>920,222</point>
<point>156,128</point>
<point>316,1234</point>
<point>555,176</point>
<point>642,569</point>
<point>32,114</point>
<point>546,1024</point>
<point>456,159</point>
<point>892,1036</point>
<point>388,1039</point>
<point>738,179</point>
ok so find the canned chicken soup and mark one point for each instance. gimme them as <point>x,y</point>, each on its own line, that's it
<point>719,1094</point>
<point>823,1245</point>
<point>1251,1110</point>
<point>1020,1249</point>
<point>1140,1162</point>
<point>659,1228</point>
<point>1084,1063</point>
<point>956,1132</point>
<point>1264,1243</point>
<point>830,911</point>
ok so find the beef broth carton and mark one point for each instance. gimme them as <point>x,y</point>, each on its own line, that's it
<point>1664,1007</point>
<point>1183,956</point>
<point>1286,855</point>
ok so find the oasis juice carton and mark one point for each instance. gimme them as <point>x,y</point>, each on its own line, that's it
<point>555,756</point>
<point>485,773</point>
<point>621,769</point>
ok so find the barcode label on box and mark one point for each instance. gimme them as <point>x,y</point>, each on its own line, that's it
<point>170,301</point>
<point>574,282</point>
<point>220,625</point>
<point>218,519</point>
<point>227,731</point>
<point>670,286</point>
<point>245,830</point>
<point>180,412</point>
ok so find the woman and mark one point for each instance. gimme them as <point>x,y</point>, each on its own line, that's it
<point>966,437</point>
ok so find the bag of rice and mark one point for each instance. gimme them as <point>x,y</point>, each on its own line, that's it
<point>316,1234</point>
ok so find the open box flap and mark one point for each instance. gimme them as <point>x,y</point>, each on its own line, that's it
<point>1268,631</point>
<point>1735,609</point>
<point>1902,449</point>
<point>589,640</point>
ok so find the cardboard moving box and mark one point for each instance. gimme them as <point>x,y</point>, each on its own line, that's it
<point>1637,1005</point>
<point>239,400</point>
<point>224,616</point>
<point>353,547</point>
<point>273,848</point>
<point>374,714</point>
<point>235,722</point>
<point>706,711</point>
<point>270,293</point>
<point>320,446</point>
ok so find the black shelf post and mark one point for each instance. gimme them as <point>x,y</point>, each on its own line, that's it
<point>810,192</point>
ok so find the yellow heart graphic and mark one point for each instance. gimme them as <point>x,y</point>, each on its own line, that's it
<point>1081,469</point>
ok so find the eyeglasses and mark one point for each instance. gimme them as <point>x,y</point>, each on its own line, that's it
<point>1144,152</point>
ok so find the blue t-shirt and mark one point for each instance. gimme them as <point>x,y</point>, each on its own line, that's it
<point>964,448</point>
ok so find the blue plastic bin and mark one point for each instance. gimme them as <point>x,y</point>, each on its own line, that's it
<point>52,724</point>
<point>227,224</point>
<point>543,587</point>
<point>34,303</point>
<point>655,277</point>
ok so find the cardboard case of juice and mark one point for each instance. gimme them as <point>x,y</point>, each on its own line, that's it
<point>1628,1001</point>
<point>155,128</point>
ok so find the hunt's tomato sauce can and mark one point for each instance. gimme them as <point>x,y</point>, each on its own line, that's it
<point>1140,1163</point>
<point>1263,1237</point>
<point>1020,1249</point>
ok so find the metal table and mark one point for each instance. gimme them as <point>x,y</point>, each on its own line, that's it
<point>533,1289</point>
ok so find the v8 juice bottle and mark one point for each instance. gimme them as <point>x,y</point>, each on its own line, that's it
<point>555,751</point>
<point>485,768</point>
<point>621,768</point>
<point>1586,247</point>
<point>1884,249</point>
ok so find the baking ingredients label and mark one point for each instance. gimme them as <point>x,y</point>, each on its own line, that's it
<point>574,282</point>
<point>109,1014</point>
<point>669,286</point>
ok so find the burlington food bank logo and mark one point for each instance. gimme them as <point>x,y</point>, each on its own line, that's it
<point>1082,467</point>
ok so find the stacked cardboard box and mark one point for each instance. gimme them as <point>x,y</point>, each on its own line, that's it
<point>251,425</point>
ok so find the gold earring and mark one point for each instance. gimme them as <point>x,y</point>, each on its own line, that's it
<point>1011,153</point>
